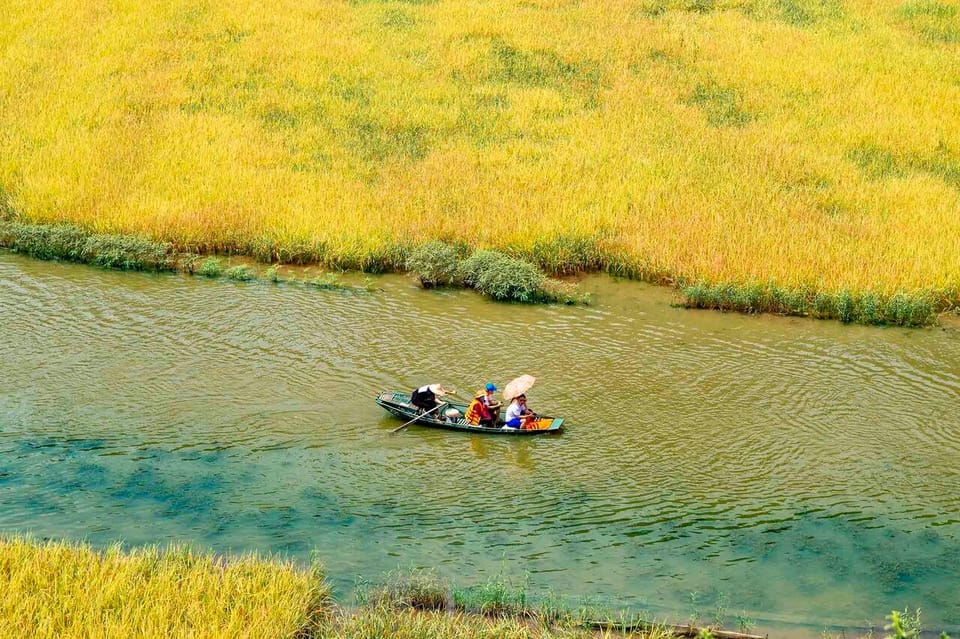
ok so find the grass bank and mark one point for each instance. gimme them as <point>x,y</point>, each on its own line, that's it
<point>811,144</point>
<point>56,589</point>
<point>497,275</point>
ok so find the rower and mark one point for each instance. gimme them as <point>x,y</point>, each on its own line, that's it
<point>425,397</point>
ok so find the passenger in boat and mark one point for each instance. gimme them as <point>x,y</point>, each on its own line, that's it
<point>518,413</point>
<point>477,412</point>
<point>493,406</point>
<point>425,397</point>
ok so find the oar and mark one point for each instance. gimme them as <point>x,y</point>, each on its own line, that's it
<point>418,417</point>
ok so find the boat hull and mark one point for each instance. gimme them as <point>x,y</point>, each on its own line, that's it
<point>398,404</point>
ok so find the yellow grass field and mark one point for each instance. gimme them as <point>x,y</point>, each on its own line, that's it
<point>809,143</point>
<point>59,590</point>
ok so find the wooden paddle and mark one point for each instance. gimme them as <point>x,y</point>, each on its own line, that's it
<point>398,428</point>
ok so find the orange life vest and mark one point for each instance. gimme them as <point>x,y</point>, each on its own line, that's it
<point>476,411</point>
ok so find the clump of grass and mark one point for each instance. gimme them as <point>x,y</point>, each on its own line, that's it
<point>127,253</point>
<point>900,309</point>
<point>504,278</point>
<point>327,282</point>
<point>60,242</point>
<point>542,68</point>
<point>497,596</point>
<point>422,590</point>
<point>70,243</point>
<point>210,267</point>
<point>566,254</point>
<point>436,263</point>
<point>294,252</point>
<point>272,274</point>
<point>876,161</point>
<point>904,625</point>
<point>56,589</point>
<point>240,273</point>
<point>722,105</point>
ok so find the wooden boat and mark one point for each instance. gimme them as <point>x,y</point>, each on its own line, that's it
<point>399,404</point>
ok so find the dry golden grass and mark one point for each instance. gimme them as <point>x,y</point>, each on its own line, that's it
<point>61,590</point>
<point>809,142</point>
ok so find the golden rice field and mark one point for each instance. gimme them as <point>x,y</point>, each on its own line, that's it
<point>58,590</point>
<point>810,143</point>
<point>54,589</point>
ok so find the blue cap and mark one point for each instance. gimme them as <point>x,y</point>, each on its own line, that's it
<point>490,387</point>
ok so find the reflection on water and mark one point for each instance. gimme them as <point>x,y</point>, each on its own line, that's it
<point>797,470</point>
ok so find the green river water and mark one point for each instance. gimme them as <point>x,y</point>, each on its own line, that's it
<point>798,472</point>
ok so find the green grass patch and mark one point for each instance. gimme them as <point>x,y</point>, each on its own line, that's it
<point>210,267</point>
<point>933,21</point>
<point>240,273</point>
<point>437,263</point>
<point>497,275</point>
<point>504,278</point>
<point>327,282</point>
<point>899,309</point>
<point>878,162</point>
<point>722,105</point>
<point>376,143</point>
<point>72,244</point>
<point>497,596</point>
<point>505,63</point>
<point>422,590</point>
<point>797,13</point>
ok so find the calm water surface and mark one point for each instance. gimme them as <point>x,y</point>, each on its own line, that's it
<point>791,470</point>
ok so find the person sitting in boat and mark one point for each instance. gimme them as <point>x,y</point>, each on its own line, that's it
<point>478,414</point>
<point>493,406</point>
<point>518,413</point>
<point>425,397</point>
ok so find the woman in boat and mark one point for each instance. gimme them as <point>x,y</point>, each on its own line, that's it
<point>517,412</point>
<point>425,397</point>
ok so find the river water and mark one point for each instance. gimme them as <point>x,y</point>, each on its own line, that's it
<point>797,472</point>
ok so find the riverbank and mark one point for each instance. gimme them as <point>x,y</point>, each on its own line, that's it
<point>497,275</point>
<point>57,589</point>
<point>697,141</point>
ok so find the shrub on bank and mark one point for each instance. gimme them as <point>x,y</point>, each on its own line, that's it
<point>210,267</point>
<point>436,264</point>
<point>72,244</point>
<point>127,253</point>
<point>504,278</point>
<point>494,274</point>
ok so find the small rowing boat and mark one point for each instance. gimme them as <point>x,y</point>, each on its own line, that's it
<point>399,404</point>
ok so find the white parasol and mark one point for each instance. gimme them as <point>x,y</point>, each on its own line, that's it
<point>519,386</point>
